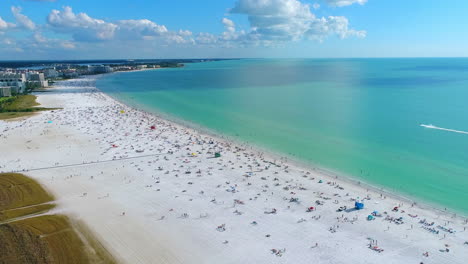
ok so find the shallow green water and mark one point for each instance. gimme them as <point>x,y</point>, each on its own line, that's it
<point>360,117</point>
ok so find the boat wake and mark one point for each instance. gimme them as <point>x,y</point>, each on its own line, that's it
<point>444,129</point>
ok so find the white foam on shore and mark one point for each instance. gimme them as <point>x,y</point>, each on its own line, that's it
<point>444,129</point>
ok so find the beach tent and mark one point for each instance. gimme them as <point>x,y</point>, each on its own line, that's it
<point>122,111</point>
<point>358,205</point>
<point>153,127</point>
<point>217,155</point>
<point>370,217</point>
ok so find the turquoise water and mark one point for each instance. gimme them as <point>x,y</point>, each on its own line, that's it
<point>359,117</point>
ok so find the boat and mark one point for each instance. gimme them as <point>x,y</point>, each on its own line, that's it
<point>428,126</point>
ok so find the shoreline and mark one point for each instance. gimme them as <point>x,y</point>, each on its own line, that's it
<point>307,165</point>
<point>145,209</point>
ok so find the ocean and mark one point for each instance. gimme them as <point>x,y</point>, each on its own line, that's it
<point>357,117</point>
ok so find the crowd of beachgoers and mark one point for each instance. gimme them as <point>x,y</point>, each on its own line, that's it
<point>155,191</point>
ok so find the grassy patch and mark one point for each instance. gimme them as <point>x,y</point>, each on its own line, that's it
<point>13,115</point>
<point>19,106</point>
<point>43,238</point>
<point>17,190</point>
<point>25,211</point>
<point>21,102</point>
<point>4,100</point>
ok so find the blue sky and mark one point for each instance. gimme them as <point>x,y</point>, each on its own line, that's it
<point>91,29</point>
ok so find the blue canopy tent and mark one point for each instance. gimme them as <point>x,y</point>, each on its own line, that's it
<point>358,205</point>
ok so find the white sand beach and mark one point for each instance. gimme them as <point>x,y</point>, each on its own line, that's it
<point>159,195</point>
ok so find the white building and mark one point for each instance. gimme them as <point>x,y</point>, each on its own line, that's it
<point>71,73</point>
<point>37,78</point>
<point>51,73</point>
<point>93,69</point>
<point>15,81</point>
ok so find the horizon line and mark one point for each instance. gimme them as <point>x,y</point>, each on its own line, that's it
<point>230,58</point>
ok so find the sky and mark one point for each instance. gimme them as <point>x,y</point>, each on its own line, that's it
<point>148,29</point>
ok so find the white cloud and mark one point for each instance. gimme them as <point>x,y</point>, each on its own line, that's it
<point>290,20</point>
<point>42,43</point>
<point>337,25</point>
<point>272,23</point>
<point>8,41</point>
<point>316,6</point>
<point>81,26</point>
<point>67,45</point>
<point>138,29</point>
<point>185,33</point>
<point>229,25</point>
<point>4,26</point>
<point>206,38</point>
<point>39,38</point>
<point>23,21</point>
<point>85,28</point>
<point>341,3</point>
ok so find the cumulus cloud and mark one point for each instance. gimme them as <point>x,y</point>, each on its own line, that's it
<point>138,29</point>
<point>340,3</point>
<point>229,38</point>
<point>67,45</point>
<point>338,25</point>
<point>81,26</point>
<point>23,21</point>
<point>229,25</point>
<point>271,22</point>
<point>290,20</point>
<point>4,26</point>
<point>42,43</point>
<point>39,38</point>
<point>86,28</point>
<point>8,42</point>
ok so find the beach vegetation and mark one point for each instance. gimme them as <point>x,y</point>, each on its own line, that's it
<point>20,106</point>
<point>46,239</point>
<point>17,191</point>
<point>30,236</point>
